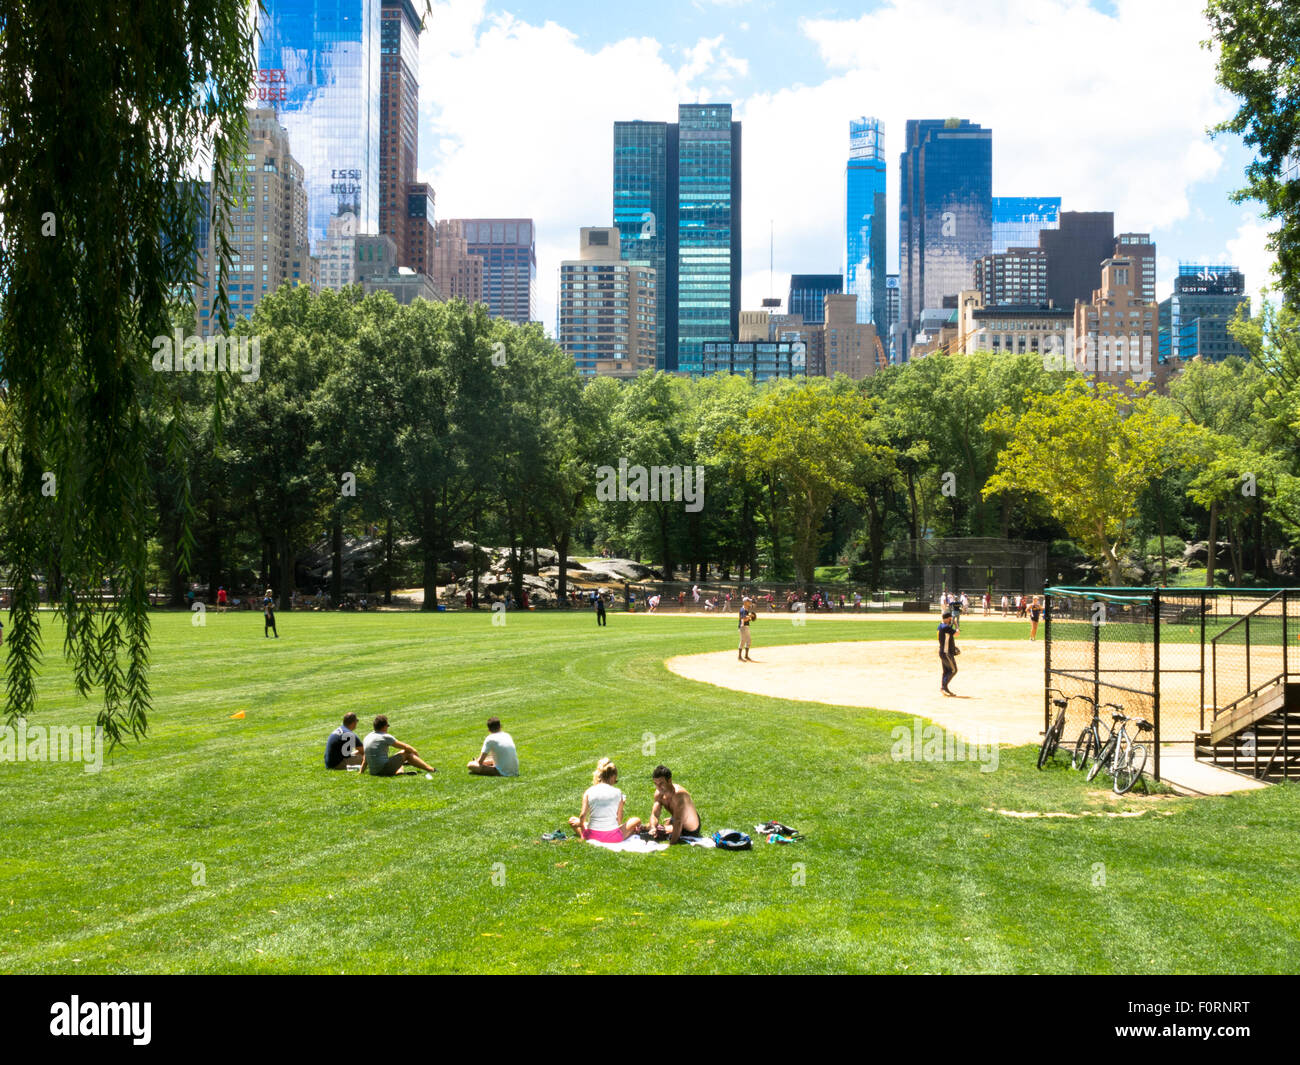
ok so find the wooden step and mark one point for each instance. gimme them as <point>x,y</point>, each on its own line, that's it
<point>1271,700</point>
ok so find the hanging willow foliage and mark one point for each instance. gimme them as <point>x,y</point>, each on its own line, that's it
<point>108,109</point>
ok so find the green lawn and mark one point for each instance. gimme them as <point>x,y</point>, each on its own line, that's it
<point>907,865</point>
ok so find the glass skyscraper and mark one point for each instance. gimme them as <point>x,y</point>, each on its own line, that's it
<point>808,293</point>
<point>864,219</point>
<point>319,65</point>
<point>645,212</point>
<point>708,230</point>
<point>677,209</point>
<point>945,215</point>
<point>1017,220</point>
<point>1194,320</point>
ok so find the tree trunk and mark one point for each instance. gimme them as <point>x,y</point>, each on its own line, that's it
<point>1164,567</point>
<point>214,562</point>
<point>774,530</point>
<point>284,553</point>
<point>429,555</point>
<point>336,557</point>
<point>665,551</point>
<point>474,562</point>
<point>562,551</point>
<point>876,535</point>
<point>429,575</point>
<point>516,572</point>
<point>1112,566</point>
<point>1210,548</point>
<point>388,561</point>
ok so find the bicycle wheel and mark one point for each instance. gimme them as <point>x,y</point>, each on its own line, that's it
<point>1127,774</point>
<point>1051,740</point>
<point>1082,750</point>
<point>1058,730</point>
<point>1103,758</point>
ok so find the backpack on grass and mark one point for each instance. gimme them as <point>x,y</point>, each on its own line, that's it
<point>730,839</point>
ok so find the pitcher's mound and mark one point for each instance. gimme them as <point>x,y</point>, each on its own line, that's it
<point>999,684</point>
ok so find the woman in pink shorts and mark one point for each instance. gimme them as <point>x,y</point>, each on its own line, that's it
<point>601,820</point>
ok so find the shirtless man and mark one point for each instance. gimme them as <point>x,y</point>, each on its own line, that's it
<point>672,799</point>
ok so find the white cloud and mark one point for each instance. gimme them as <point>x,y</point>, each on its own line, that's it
<point>517,120</point>
<point>1108,112</point>
<point>1249,251</point>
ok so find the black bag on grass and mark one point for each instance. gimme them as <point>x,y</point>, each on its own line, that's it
<point>730,839</point>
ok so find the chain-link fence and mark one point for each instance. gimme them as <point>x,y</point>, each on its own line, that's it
<point>1172,656</point>
<point>975,565</point>
<point>686,597</point>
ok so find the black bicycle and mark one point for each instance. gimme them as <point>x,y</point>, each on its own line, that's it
<point>1052,738</point>
<point>1090,742</point>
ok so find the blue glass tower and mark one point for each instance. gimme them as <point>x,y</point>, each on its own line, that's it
<point>945,215</point>
<point>645,212</point>
<point>708,231</point>
<point>1017,220</point>
<point>319,66</point>
<point>864,218</point>
<point>677,208</point>
<point>808,293</point>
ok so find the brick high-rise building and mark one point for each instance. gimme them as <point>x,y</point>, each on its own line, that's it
<point>1116,333</point>
<point>399,93</point>
<point>1140,247</point>
<point>269,241</point>
<point>607,307</point>
<point>456,271</point>
<point>851,347</point>
<point>418,229</point>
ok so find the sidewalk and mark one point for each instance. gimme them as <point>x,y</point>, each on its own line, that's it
<point>1181,771</point>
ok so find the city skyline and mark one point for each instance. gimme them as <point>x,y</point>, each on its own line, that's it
<point>794,82</point>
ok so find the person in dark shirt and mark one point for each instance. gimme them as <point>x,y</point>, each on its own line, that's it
<point>947,651</point>
<point>343,747</point>
<point>600,611</point>
<point>268,618</point>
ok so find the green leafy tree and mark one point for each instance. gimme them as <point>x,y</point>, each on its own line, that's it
<point>1089,451</point>
<point>811,442</point>
<point>104,109</point>
<point>1258,42</point>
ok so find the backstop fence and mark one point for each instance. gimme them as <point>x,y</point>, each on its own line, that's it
<point>1175,656</point>
<point>975,565</point>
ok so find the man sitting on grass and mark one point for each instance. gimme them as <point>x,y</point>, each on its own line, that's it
<point>343,748</point>
<point>683,819</point>
<point>498,758</point>
<point>380,762</point>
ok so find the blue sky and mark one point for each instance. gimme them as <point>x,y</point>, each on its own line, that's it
<point>1103,103</point>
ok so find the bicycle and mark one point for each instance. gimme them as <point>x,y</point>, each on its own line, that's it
<point>1090,744</point>
<point>1122,757</point>
<point>1052,737</point>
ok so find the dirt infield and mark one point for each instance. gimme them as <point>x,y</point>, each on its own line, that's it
<point>999,689</point>
<point>999,683</point>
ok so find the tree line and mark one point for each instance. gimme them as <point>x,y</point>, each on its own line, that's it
<point>433,423</point>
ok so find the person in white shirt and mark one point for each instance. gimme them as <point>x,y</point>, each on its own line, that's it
<point>498,758</point>
<point>601,819</point>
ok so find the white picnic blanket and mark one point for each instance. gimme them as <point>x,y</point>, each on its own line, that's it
<point>637,845</point>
